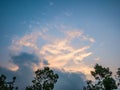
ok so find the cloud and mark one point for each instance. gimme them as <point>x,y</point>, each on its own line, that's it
<point>25,62</point>
<point>25,73</point>
<point>92,40</point>
<point>69,81</point>
<point>7,64</point>
<point>28,41</point>
<point>57,46</point>
<point>28,60</point>
<point>24,57</point>
<point>66,81</point>
<point>59,55</point>
<point>60,48</point>
<point>10,66</point>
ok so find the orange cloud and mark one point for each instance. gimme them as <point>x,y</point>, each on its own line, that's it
<point>10,66</point>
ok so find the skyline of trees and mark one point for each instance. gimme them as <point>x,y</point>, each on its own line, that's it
<point>104,79</point>
<point>7,85</point>
<point>45,79</point>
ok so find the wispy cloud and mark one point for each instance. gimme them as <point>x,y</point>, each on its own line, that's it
<point>59,52</point>
<point>12,67</point>
<point>90,39</point>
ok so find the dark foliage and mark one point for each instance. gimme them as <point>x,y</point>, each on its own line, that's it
<point>5,85</point>
<point>44,80</point>
<point>104,77</point>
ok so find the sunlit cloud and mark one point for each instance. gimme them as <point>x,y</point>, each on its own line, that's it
<point>28,40</point>
<point>58,52</point>
<point>92,40</point>
<point>10,66</point>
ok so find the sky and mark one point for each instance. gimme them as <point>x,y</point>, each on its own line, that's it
<point>69,36</point>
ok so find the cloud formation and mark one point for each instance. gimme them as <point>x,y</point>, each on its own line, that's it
<point>69,81</point>
<point>9,65</point>
<point>58,50</point>
<point>62,49</point>
<point>25,74</point>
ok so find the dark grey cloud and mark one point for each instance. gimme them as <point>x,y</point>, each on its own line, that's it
<point>66,81</point>
<point>25,73</point>
<point>24,57</point>
<point>7,72</point>
<point>69,81</point>
<point>23,77</point>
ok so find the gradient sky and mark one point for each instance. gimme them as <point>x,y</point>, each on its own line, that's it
<point>69,36</point>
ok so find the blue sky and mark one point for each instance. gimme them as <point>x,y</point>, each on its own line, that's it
<point>79,33</point>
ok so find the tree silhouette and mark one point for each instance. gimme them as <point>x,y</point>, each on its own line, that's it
<point>5,85</point>
<point>104,79</point>
<point>117,76</point>
<point>44,80</point>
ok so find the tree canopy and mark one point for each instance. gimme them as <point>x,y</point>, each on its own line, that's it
<point>7,85</point>
<point>104,78</point>
<point>44,80</point>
